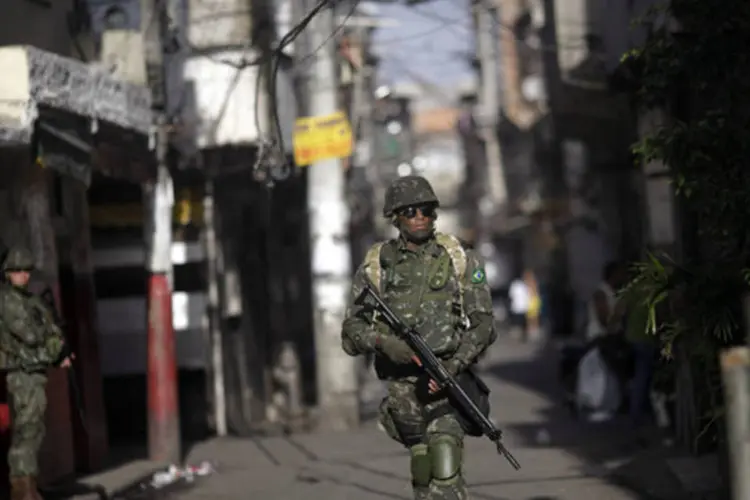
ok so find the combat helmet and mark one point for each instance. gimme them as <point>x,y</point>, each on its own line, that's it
<point>406,191</point>
<point>18,259</point>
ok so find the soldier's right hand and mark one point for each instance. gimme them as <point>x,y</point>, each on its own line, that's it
<point>395,349</point>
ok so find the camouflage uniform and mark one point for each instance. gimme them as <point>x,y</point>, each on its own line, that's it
<point>454,313</point>
<point>30,342</point>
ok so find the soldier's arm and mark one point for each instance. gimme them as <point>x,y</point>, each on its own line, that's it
<point>16,318</point>
<point>357,334</point>
<point>55,346</point>
<point>478,307</point>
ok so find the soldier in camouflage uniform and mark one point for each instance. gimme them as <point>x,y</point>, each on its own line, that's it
<point>30,342</point>
<point>438,287</point>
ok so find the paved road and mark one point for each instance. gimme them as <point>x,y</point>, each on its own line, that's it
<point>562,459</point>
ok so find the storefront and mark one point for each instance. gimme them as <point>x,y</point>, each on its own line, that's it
<point>60,121</point>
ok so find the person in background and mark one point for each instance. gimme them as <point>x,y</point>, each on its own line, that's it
<point>604,314</point>
<point>535,305</point>
<point>644,349</point>
<point>603,334</point>
<point>520,299</point>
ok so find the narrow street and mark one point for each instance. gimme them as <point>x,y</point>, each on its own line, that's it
<point>561,458</point>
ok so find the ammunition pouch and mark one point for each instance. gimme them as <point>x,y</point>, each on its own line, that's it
<point>407,433</point>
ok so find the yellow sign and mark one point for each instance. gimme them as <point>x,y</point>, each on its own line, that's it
<point>322,137</point>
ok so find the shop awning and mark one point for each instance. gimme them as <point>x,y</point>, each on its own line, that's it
<point>34,78</point>
<point>62,101</point>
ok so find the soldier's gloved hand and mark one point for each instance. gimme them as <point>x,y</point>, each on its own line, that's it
<point>395,349</point>
<point>453,366</point>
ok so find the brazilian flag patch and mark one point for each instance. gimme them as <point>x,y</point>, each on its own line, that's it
<point>478,276</point>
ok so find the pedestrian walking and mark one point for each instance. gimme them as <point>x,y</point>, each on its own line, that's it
<point>440,288</point>
<point>520,301</point>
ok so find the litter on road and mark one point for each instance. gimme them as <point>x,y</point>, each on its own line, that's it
<point>174,474</point>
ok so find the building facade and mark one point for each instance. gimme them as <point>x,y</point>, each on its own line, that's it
<point>62,118</point>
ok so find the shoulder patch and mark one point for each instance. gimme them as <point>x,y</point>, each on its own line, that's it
<point>478,276</point>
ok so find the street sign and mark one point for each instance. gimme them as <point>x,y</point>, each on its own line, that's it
<point>319,138</point>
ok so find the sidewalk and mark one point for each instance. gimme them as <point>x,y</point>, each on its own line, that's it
<point>125,471</point>
<point>561,458</point>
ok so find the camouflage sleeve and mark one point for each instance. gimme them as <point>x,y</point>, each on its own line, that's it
<point>54,340</point>
<point>16,319</point>
<point>357,333</point>
<point>478,307</point>
<point>55,347</point>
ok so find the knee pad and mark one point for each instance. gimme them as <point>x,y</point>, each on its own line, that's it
<point>421,465</point>
<point>445,457</point>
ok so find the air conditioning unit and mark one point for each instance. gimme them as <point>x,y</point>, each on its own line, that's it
<point>122,55</point>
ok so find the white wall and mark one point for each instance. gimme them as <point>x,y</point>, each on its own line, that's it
<point>225,101</point>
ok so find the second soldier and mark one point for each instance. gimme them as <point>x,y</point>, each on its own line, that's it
<point>30,343</point>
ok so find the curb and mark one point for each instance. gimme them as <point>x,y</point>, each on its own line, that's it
<point>113,483</point>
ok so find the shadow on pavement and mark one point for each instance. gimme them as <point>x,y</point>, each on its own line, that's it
<point>610,449</point>
<point>73,491</point>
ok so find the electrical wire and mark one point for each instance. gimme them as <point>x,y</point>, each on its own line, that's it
<point>278,153</point>
<point>415,36</point>
<point>447,22</point>
<point>275,56</point>
<point>431,87</point>
<point>276,61</point>
<point>270,57</point>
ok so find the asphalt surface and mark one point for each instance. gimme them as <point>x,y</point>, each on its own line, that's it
<point>562,458</point>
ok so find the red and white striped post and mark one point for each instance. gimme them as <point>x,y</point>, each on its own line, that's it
<point>163,407</point>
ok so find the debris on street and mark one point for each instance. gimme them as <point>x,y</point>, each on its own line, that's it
<point>166,483</point>
<point>188,473</point>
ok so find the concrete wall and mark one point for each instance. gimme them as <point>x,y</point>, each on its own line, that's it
<point>574,142</point>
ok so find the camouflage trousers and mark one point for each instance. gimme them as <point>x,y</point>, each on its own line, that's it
<point>405,416</point>
<point>28,402</point>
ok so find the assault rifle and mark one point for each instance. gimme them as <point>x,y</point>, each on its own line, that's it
<point>49,300</point>
<point>370,298</point>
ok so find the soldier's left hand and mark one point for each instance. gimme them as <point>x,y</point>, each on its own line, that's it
<point>453,368</point>
<point>68,361</point>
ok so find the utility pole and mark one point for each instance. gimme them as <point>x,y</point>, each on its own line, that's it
<point>489,115</point>
<point>331,265</point>
<point>213,313</point>
<point>362,129</point>
<point>163,408</point>
<point>735,374</point>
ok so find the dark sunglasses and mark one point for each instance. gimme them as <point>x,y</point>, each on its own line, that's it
<point>411,212</point>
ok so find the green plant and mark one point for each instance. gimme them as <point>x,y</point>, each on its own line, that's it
<point>699,74</point>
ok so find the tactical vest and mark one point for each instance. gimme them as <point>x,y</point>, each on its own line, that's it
<point>20,353</point>
<point>374,269</point>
